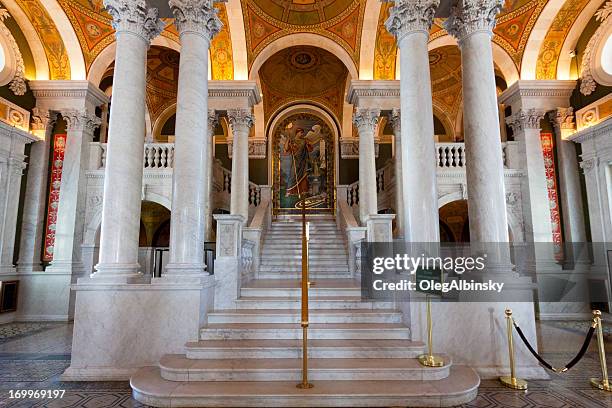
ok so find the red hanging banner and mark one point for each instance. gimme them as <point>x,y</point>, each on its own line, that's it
<point>551,181</point>
<point>55,180</point>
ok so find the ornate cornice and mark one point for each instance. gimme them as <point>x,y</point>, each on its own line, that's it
<point>603,129</point>
<point>18,83</point>
<point>472,16</point>
<point>366,119</point>
<point>410,16</point>
<point>525,119</point>
<point>563,118</point>
<point>80,120</point>
<point>135,17</point>
<point>196,17</point>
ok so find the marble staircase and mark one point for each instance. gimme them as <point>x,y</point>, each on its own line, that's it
<point>360,352</point>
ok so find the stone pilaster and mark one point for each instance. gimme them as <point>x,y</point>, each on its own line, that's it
<point>409,22</point>
<point>241,121</point>
<point>136,26</point>
<point>197,23</point>
<point>366,122</point>
<point>33,222</point>
<point>396,122</point>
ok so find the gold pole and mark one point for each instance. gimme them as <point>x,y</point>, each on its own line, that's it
<point>604,383</point>
<point>512,381</point>
<point>429,360</point>
<point>304,384</point>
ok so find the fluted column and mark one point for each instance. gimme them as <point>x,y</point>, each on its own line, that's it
<point>366,122</point>
<point>135,26</point>
<point>395,119</point>
<point>70,212</point>
<point>33,221</point>
<point>212,123</point>
<point>536,208</point>
<point>197,23</point>
<point>409,22</point>
<point>241,121</point>
<point>569,177</point>
<point>472,23</point>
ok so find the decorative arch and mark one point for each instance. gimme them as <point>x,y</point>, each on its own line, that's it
<point>311,39</point>
<point>440,113</point>
<point>238,38</point>
<point>161,121</point>
<point>369,30</point>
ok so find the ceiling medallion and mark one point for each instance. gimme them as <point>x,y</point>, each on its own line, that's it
<point>303,60</point>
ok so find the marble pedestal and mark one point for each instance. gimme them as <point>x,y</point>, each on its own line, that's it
<point>44,296</point>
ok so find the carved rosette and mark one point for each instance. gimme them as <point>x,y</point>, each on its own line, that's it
<point>471,16</point>
<point>395,119</point>
<point>213,119</point>
<point>525,119</point>
<point>81,120</point>
<point>366,119</point>
<point>135,17</point>
<point>410,16</point>
<point>196,17</point>
<point>42,119</point>
<point>563,118</point>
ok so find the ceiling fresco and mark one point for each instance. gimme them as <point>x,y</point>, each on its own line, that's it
<point>300,73</point>
<point>162,80</point>
<point>268,20</point>
<point>445,69</point>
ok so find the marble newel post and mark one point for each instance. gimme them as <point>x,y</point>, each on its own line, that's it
<point>395,119</point>
<point>366,121</point>
<point>135,26</point>
<point>409,22</point>
<point>197,23</point>
<point>32,227</point>
<point>472,23</point>
<point>241,121</point>
<point>569,176</point>
<point>210,140</point>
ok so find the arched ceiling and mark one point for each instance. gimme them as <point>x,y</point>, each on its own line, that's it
<point>303,73</point>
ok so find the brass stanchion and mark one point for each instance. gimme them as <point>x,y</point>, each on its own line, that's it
<point>429,360</point>
<point>305,284</point>
<point>512,381</point>
<point>604,383</point>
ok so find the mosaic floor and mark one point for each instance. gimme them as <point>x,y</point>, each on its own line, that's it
<point>33,355</point>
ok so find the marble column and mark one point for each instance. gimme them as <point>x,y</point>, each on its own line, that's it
<point>212,123</point>
<point>197,24</point>
<point>395,119</point>
<point>241,121</point>
<point>366,122</point>
<point>536,208</point>
<point>81,124</point>
<point>570,192</point>
<point>135,26</point>
<point>35,199</point>
<point>472,23</point>
<point>409,22</point>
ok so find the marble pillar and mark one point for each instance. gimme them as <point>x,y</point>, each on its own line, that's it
<point>35,199</point>
<point>213,119</point>
<point>12,145</point>
<point>536,209</point>
<point>135,26</point>
<point>241,121</point>
<point>197,24</point>
<point>366,122</point>
<point>395,119</point>
<point>472,23</point>
<point>570,192</point>
<point>81,124</point>
<point>410,21</point>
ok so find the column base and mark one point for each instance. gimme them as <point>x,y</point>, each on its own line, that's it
<point>117,273</point>
<point>29,267</point>
<point>62,266</point>
<point>7,270</point>
<point>184,273</point>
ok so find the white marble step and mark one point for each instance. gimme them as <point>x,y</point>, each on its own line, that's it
<point>237,331</point>
<point>297,274</point>
<point>314,270</point>
<point>314,291</point>
<point>296,253</point>
<point>177,367</point>
<point>293,316</point>
<point>313,262</point>
<point>275,348</point>
<point>461,386</point>
<point>337,302</point>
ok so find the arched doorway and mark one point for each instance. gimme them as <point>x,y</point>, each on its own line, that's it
<point>454,222</point>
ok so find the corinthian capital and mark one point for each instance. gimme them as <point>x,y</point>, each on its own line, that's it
<point>470,16</point>
<point>395,118</point>
<point>408,16</point>
<point>241,120</point>
<point>525,119</point>
<point>135,17</point>
<point>563,118</point>
<point>213,119</point>
<point>80,120</point>
<point>196,16</point>
<point>366,119</point>
<point>42,119</point>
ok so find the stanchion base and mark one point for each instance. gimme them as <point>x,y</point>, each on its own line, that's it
<point>597,383</point>
<point>431,361</point>
<point>304,386</point>
<point>515,384</point>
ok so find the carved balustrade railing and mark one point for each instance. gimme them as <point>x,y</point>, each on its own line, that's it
<point>158,156</point>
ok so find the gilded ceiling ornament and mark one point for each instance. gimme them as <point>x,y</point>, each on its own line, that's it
<point>587,82</point>
<point>471,16</point>
<point>408,16</point>
<point>196,16</point>
<point>17,84</point>
<point>135,17</point>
